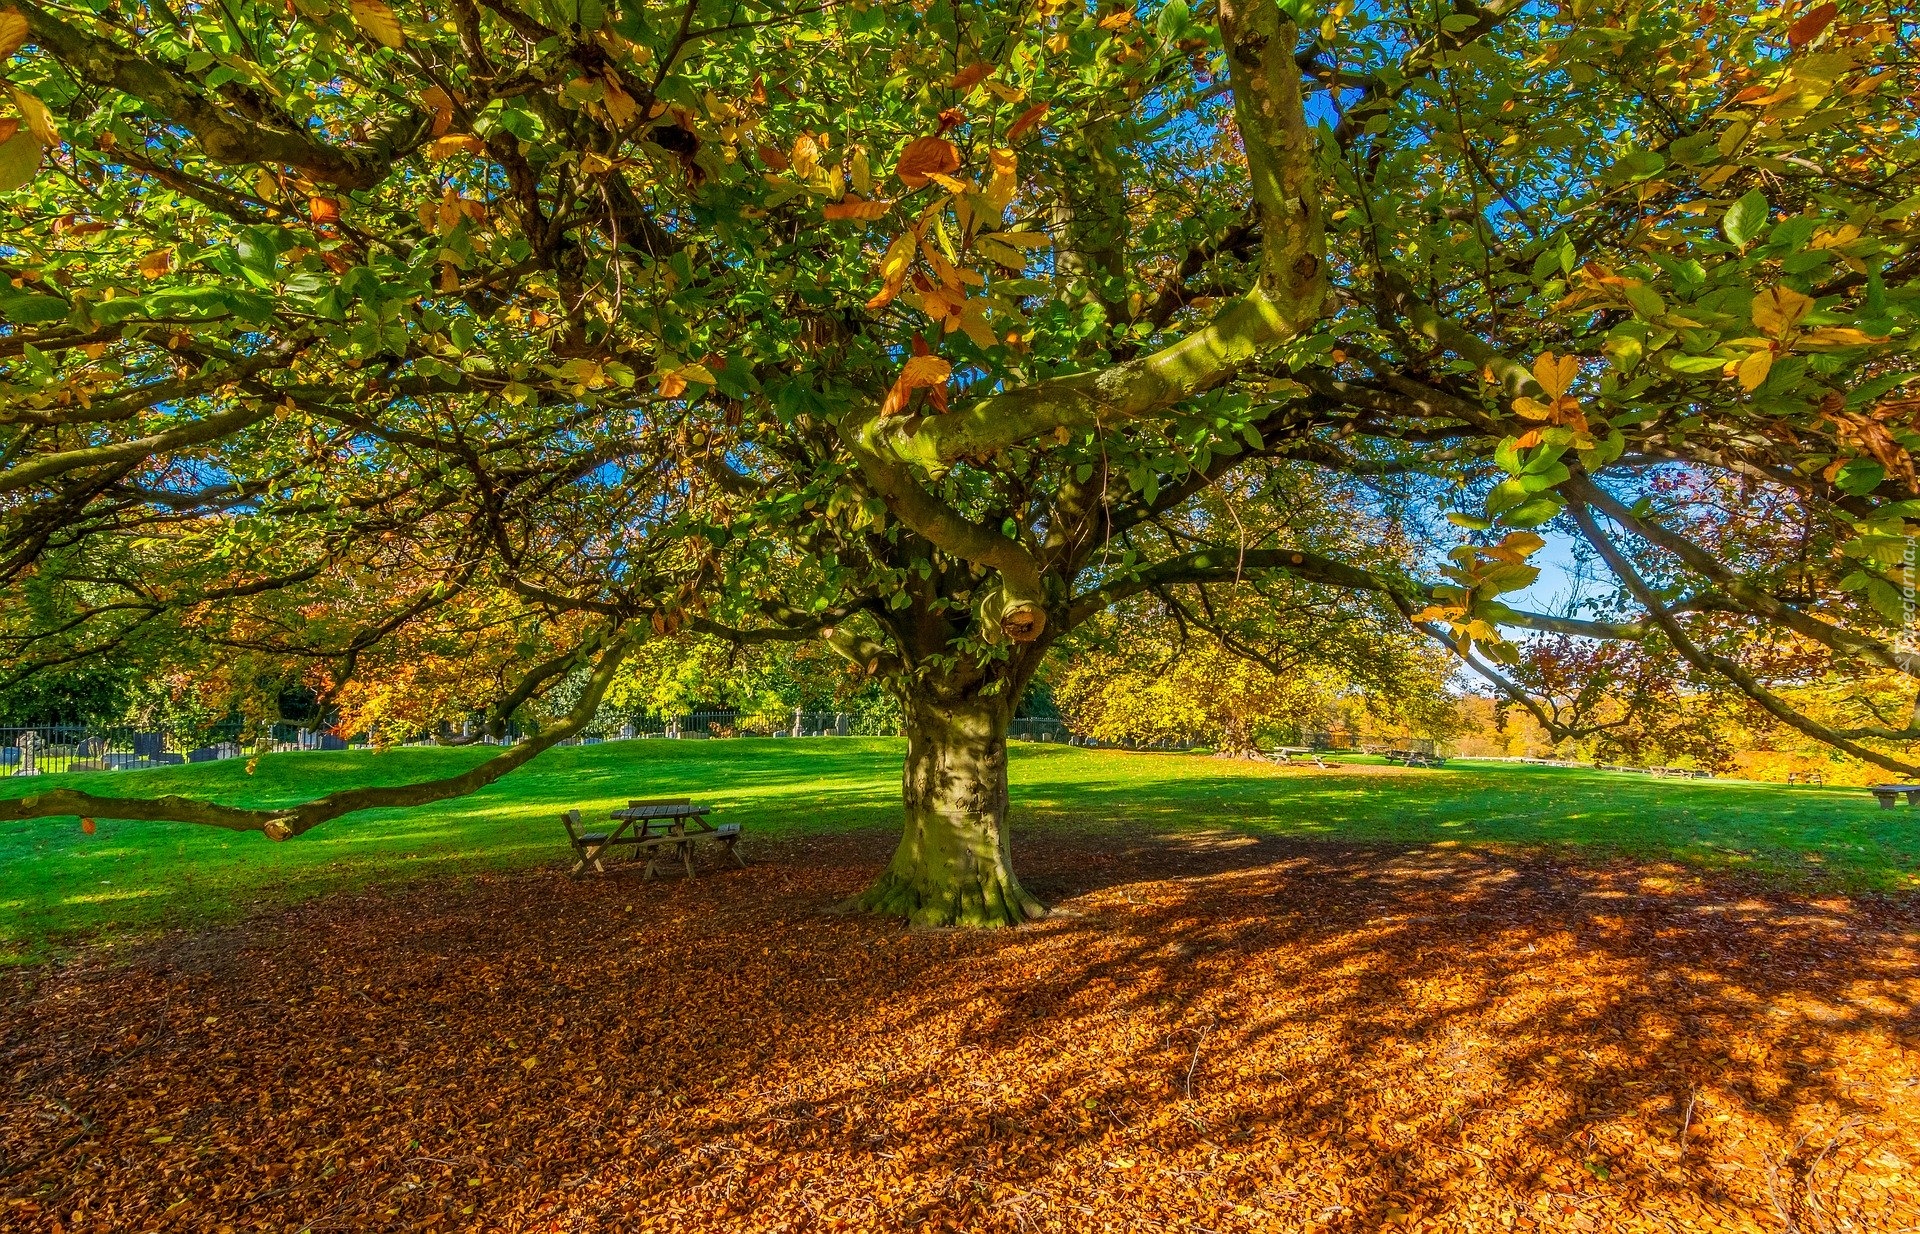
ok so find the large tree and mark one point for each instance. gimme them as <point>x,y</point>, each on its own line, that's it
<point>938,329</point>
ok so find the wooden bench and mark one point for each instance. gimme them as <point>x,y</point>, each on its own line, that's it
<point>1885,793</point>
<point>1806,777</point>
<point>669,827</point>
<point>590,846</point>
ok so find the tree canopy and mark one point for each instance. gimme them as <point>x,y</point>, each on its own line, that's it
<point>934,330</point>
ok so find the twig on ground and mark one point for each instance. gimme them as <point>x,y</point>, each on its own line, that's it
<point>1196,1055</point>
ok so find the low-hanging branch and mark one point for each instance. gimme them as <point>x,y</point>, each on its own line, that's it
<point>1759,602</point>
<point>288,821</point>
<point>1720,665</point>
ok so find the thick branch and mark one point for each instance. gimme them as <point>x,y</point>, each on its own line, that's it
<point>1747,683</point>
<point>224,136</point>
<point>1754,598</point>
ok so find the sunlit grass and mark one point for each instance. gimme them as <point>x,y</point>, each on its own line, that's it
<point>51,875</point>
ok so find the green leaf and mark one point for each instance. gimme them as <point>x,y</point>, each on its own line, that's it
<point>1174,19</point>
<point>31,310</point>
<point>1534,512</point>
<point>1745,218</point>
<point>1887,600</point>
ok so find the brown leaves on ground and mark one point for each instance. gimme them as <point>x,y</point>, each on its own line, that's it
<point>1227,1034</point>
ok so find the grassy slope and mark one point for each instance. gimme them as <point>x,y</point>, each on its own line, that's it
<point>56,882</point>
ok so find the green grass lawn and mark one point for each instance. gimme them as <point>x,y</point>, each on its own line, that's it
<point>57,884</point>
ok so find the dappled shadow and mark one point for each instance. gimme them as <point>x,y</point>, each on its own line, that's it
<point>1218,1030</point>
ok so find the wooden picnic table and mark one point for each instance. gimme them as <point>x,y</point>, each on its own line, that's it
<point>1885,793</point>
<point>654,827</point>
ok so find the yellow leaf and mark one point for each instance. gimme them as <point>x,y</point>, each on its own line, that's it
<point>38,118</point>
<point>377,21</point>
<point>13,31</point>
<point>805,158</point>
<point>672,385</point>
<point>1021,239</point>
<point>156,263</point>
<point>1754,369</point>
<point>1837,336</point>
<point>925,371</point>
<point>1778,310</point>
<point>949,183</point>
<point>1524,543</point>
<point>1532,409</point>
<point>446,147</point>
<point>862,172</point>
<point>973,320</point>
<point>1006,181</point>
<point>621,109</point>
<point>899,256</point>
<point>1119,19</point>
<point>1555,373</point>
<point>698,372</point>
<point>1011,258</point>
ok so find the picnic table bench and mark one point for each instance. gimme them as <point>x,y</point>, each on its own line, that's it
<point>669,827</point>
<point>1885,793</point>
<point>1806,777</point>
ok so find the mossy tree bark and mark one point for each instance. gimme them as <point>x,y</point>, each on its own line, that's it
<point>954,866</point>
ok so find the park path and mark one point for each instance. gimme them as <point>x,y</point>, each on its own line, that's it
<point>1217,1034</point>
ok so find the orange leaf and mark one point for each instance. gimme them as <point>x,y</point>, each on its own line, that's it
<point>1028,118</point>
<point>774,158</point>
<point>854,207</point>
<point>672,385</point>
<point>87,825</point>
<point>13,31</point>
<point>9,125</point>
<point>156,263</point>
<point>971,76</point>
<point>323,209</point>
<point>440,103</point>
<point>1809,27</point>
<point>924,156</point>
<point>920,373</point>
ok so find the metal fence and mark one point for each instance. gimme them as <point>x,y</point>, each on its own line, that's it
<point>43,749</point>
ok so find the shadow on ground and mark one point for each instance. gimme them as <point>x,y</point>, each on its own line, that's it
<point>1218,1033</point>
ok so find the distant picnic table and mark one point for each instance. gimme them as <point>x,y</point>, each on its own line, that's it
<point>669,827</point>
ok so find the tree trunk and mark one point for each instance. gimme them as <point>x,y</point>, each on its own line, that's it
<point>954,866</point>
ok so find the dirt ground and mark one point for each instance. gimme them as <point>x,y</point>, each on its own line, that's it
<point>1216,1034</point>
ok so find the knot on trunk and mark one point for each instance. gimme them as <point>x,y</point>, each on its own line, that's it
<point>1005,618</point>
